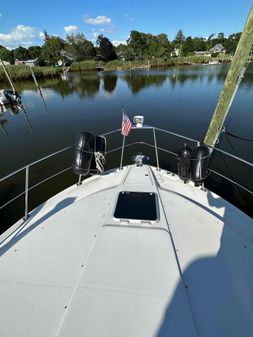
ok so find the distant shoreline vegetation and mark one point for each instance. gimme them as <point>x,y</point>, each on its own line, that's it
<point>23,72</point>
<point>142,50</point>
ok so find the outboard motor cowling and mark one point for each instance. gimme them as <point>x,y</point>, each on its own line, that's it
<point>13,97</point>
<point>184,163</point>
<point>199,164</point>
<point>84,152</point>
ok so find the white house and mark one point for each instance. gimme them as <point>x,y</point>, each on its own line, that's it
<point>32,63</point>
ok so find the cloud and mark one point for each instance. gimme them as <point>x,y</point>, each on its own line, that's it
<point>99,20</point>
<point>1,15</point>
<point>116,43</point>
<point>71,29</point>
<point>42,35</point>
<point>95,35</point>
<point>19,35</point>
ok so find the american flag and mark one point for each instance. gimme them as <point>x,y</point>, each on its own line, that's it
<point>126,124</point>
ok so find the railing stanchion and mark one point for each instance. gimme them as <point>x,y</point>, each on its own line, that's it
<point>156,152</point>
<point>26,191</point>
<point>122,152</point>
<point>79,180</point>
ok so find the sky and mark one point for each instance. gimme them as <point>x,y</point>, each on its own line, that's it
<point>23,22</point>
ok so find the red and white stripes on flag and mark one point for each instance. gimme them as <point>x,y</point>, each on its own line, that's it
<point>126,124</point>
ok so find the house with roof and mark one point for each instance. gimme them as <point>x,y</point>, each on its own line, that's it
<point>218,48</point>
<point>32,63</point>
<point>19,62</point>
<point>175,52</point>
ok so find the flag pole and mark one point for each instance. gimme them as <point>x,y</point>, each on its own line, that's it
<point>126,126</point>
<point>122,152</point>
<point>123,141</point>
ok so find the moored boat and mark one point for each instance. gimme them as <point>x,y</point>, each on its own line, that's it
<point>9,97</point>
<point>132,251</point>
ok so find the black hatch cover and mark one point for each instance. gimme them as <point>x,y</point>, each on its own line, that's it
<point>136,206</point>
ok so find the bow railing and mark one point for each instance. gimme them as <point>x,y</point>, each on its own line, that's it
<point>154,146</point>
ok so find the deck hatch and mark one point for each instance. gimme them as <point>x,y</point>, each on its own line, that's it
<point>136,206</point>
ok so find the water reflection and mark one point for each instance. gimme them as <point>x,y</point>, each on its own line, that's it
<point>139,80</point>
<point>29,124</point>
<point>192,74</point>
<point>110,82</point>
<point>14,110</point>
<point>2,125</point>
<point>85,86</point>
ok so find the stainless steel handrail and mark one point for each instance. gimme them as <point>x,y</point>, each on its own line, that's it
<point>190,139</point>
<point>141,143</point>
<point>232,156</point>
<point>232,181</point>
<point>27,167</point>
<point>35,162</point>
<point>32,187</point>
<point>178,135</point>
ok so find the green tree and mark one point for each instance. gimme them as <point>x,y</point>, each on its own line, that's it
<point>21,53</point>
<point>46,36</point>
<point>138,43</point>
<point>6,54</point>
<point>34,52</point>
<point>199,43</point>
<point>123,50</point>
<point>179,38</point>
<point>79,47</point>
<point>179,41</point>
<point>221,38</point>
<point>151,46</point>
<point>51,50</point>
<point>231,42</point>
<point>106,49</point>
<point>164,46</point>
<point>188,46</point>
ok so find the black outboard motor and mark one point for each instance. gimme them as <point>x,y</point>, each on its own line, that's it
<point>98,160</point>
<point>184,163</point>
<point>84,152</point>
<point>199,164</point>
<point>13,97</point>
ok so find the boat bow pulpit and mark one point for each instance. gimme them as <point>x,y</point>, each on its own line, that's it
<point>135,251</point>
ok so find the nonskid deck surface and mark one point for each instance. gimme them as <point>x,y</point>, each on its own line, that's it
<point>75,270</point>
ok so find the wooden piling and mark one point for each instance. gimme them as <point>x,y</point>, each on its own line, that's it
<point>8,77</point>
<point>233,79</point>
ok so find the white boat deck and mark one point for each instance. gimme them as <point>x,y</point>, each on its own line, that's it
<point>74,270</point>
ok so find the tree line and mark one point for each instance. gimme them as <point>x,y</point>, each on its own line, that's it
<point>140,46</point>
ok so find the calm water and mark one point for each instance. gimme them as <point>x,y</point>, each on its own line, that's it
<point>177,99</point>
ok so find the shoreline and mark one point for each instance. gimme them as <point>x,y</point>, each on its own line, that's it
<point>22,72</point>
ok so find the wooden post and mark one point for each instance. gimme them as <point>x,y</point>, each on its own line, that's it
<point>233,79</point>
<point>8,77</point>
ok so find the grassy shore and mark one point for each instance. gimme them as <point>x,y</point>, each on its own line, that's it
<point>21,72</point>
